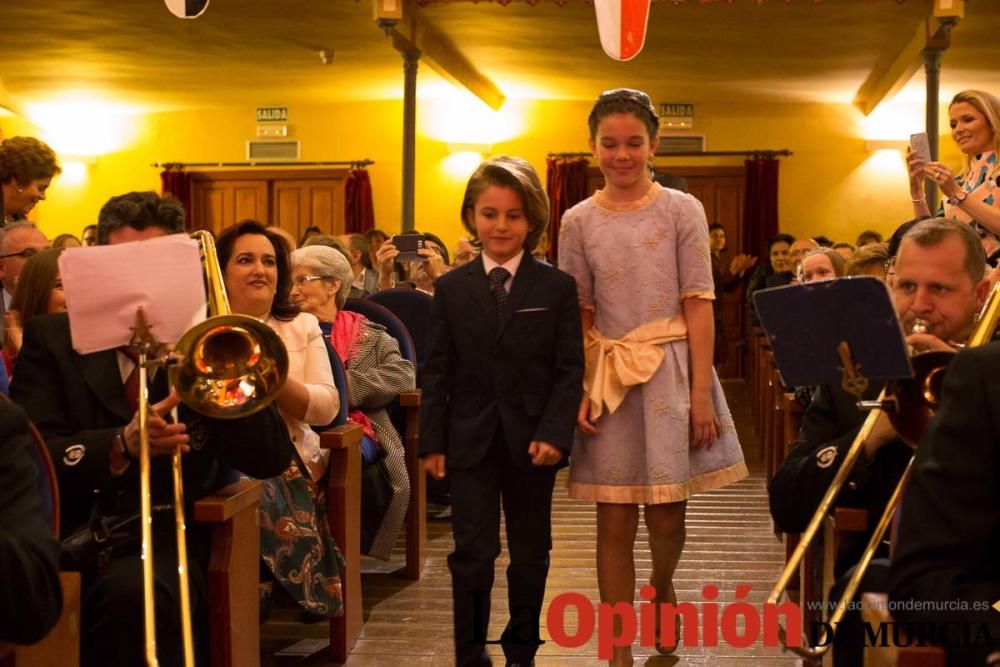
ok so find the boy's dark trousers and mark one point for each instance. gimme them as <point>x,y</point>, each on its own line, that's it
<point>526,493</point>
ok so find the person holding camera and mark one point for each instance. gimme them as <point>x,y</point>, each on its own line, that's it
<point>423,256</point>
<point>972,194</point>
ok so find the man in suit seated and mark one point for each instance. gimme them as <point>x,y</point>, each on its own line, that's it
<point>30,596</point>
<point>940,280</point>
<point>81,405</point>
<point>947,549</point>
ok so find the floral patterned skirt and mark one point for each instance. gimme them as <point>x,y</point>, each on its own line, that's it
<point>296,544</point>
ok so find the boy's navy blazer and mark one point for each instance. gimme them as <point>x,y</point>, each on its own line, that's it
<point>521,374</point>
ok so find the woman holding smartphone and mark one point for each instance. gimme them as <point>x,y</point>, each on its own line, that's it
<point>973,195</point>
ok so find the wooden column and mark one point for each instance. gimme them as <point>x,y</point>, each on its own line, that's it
<point>411,58</point>
<point>932,67</point>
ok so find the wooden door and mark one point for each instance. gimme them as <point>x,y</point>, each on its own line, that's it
<point>289,198</point>
<point>217,204</point>
<point>301,203</point>
<point>721,192</point>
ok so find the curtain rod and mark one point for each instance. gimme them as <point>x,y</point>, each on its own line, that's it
<point>359,164</point>
<point>784,152</point>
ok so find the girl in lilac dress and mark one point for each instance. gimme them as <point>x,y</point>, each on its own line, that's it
<point>654,425</point>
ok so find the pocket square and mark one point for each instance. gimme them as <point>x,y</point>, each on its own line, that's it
<point>531,310</point>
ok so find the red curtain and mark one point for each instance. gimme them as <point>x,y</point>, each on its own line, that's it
<point>566,184</point>
<point>760,211</point>
<point>178,183</point>
<point>360,213</point>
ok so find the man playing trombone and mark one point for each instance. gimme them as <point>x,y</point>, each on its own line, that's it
<point>947,553</point>
<point>84,406</point>
<point>939,288</point>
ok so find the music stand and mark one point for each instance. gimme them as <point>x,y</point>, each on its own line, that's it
<point>842,331</point>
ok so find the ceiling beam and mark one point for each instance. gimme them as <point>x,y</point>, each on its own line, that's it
<point>892,71</point>
<point>414,32</point>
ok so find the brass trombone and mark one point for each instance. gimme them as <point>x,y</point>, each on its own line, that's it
<point>909,405</point>
<point>227,367</point>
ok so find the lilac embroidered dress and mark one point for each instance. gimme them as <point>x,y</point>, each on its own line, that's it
<point>634,263</point>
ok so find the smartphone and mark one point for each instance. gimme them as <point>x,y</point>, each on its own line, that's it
<point>921,147</point>
<point>408,245</point>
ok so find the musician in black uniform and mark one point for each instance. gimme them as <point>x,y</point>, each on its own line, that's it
<point>939,279</point>
<point>81,405</point>
<point>948,546</point>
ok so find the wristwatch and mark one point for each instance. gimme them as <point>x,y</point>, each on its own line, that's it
<point>958,198</point>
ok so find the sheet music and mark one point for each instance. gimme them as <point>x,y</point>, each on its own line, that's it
<point>105,286</point>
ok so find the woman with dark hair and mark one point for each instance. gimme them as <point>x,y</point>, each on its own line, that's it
<point>310,232</point>
<point>655,430</point>
<point>375,237</point>
<point>725,279</point>
<point>296,543</point>
<point>27,167</point>
<point>89,235</point>
<point>39,291</point>
<point>778,262</point>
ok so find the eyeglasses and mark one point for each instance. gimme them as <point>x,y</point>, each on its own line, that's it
<point>301,281</point>
<point>25,254</point>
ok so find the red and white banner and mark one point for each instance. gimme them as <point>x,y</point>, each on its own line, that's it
<point>622,26</point>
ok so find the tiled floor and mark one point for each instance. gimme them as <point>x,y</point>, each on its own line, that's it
<point>729,543</point>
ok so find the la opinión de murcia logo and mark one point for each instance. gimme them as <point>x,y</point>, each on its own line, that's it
<point>739,624</point>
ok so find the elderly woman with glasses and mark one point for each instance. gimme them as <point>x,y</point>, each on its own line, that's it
<point>376,373</point>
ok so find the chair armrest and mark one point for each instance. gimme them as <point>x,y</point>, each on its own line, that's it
<point>850,520</point>
<point>223,505</point>
<point>341,437</point>
<point>410,399</point>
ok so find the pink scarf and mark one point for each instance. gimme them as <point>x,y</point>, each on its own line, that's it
<point>345,336</point>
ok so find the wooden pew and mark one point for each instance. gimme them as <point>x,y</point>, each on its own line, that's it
<point>234,601</point>
<point>777,433</point>
<point>792,411</point>
<point>841,521</point>
<point>416,512</point>
<point>344,517</point>
<point>874,610</point>
<point>59,648</point>
<point>233,569</point>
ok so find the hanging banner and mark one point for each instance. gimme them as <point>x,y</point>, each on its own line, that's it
<point>621,25</point>
<point>187,9</point>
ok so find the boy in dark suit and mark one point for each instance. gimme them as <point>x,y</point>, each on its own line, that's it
<point>501,387</point>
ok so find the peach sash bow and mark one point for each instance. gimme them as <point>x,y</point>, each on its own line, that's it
<point>616,365</point>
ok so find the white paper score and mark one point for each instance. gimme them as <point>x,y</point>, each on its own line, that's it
<point>105,286</point>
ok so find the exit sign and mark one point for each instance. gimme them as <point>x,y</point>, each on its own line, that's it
<point>672,110</point>
<point>272,114</point>
<point>676,116</point>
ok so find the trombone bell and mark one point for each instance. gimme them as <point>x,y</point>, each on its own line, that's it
<point>229,366</point>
